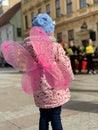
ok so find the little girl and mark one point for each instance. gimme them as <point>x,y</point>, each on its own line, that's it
<point>50,93</point>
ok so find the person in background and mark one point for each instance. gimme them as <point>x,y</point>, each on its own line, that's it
<point>89,50</point>
<point>64,45</point>
<point>80,57</point>
<point>96,52</point>
<point>73,54</point>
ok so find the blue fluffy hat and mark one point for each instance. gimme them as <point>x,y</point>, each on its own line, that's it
<point>44,21</point>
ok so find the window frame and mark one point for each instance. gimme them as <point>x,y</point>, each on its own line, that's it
<point>95,1</point>
<point>32,16</point>
<point>59,37</point>
<point>26,22</point>
<point>58,9</point>
<point>82,4</point>
<point>70,34</point>
<point>25,1</point>
<point>69,6</point>
<point>39,10</point>
<point>19,32</point>
<point>48,9</point>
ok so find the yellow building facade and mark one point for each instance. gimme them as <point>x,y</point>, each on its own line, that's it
<point>75,19</point>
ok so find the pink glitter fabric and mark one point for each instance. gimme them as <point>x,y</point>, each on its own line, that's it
<point>17,56</point>
<point>55,68</point>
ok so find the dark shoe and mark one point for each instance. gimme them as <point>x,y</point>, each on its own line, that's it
<point>89,72</point>
<point>74,72</point>
<point>94,72</point>
<point>79,72</point>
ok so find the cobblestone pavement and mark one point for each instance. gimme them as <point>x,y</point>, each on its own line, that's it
<point>18,111</point>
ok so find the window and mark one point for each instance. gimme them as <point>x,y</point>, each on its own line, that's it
<point>70,35</point>
<point>7,33</point>
<point>82,3</point>
<point>95,1</point>
<point>48,9</point>
<point>97,26</point>
<point>39,10</point>
<point>19,32</point>
<point>26,22</point>
<point>25,1</point>
<point>57,3</point>
<point>69,6</point>
<point>0,3</point>
<point>59,37</point>
<point>32,16</point>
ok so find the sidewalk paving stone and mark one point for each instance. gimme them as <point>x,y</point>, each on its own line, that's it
<point>18,111</point>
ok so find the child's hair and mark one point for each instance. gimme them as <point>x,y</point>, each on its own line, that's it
<point>44,21</point>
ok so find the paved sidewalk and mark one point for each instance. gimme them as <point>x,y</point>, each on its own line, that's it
<point>18,111</point>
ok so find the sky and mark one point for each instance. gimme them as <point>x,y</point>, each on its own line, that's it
<point>4,2</point>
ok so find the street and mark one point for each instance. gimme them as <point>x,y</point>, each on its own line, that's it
<point>18,111</point>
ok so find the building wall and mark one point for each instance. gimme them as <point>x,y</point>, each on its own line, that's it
<point>9,31</point>
<point>6,32</point>
<point>67,21</point>
<point>16,23</point>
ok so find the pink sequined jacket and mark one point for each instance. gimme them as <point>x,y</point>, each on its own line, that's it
<point>47,96</point>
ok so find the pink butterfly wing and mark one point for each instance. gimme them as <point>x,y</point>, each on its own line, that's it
<point>42,46</point>
<point>66,70</point>
<point>17,56</point>
<point>54,76</point>
<point>59,75</point>
<point>31,80</point>
<point>26,84</point>
<point>20,59</point>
